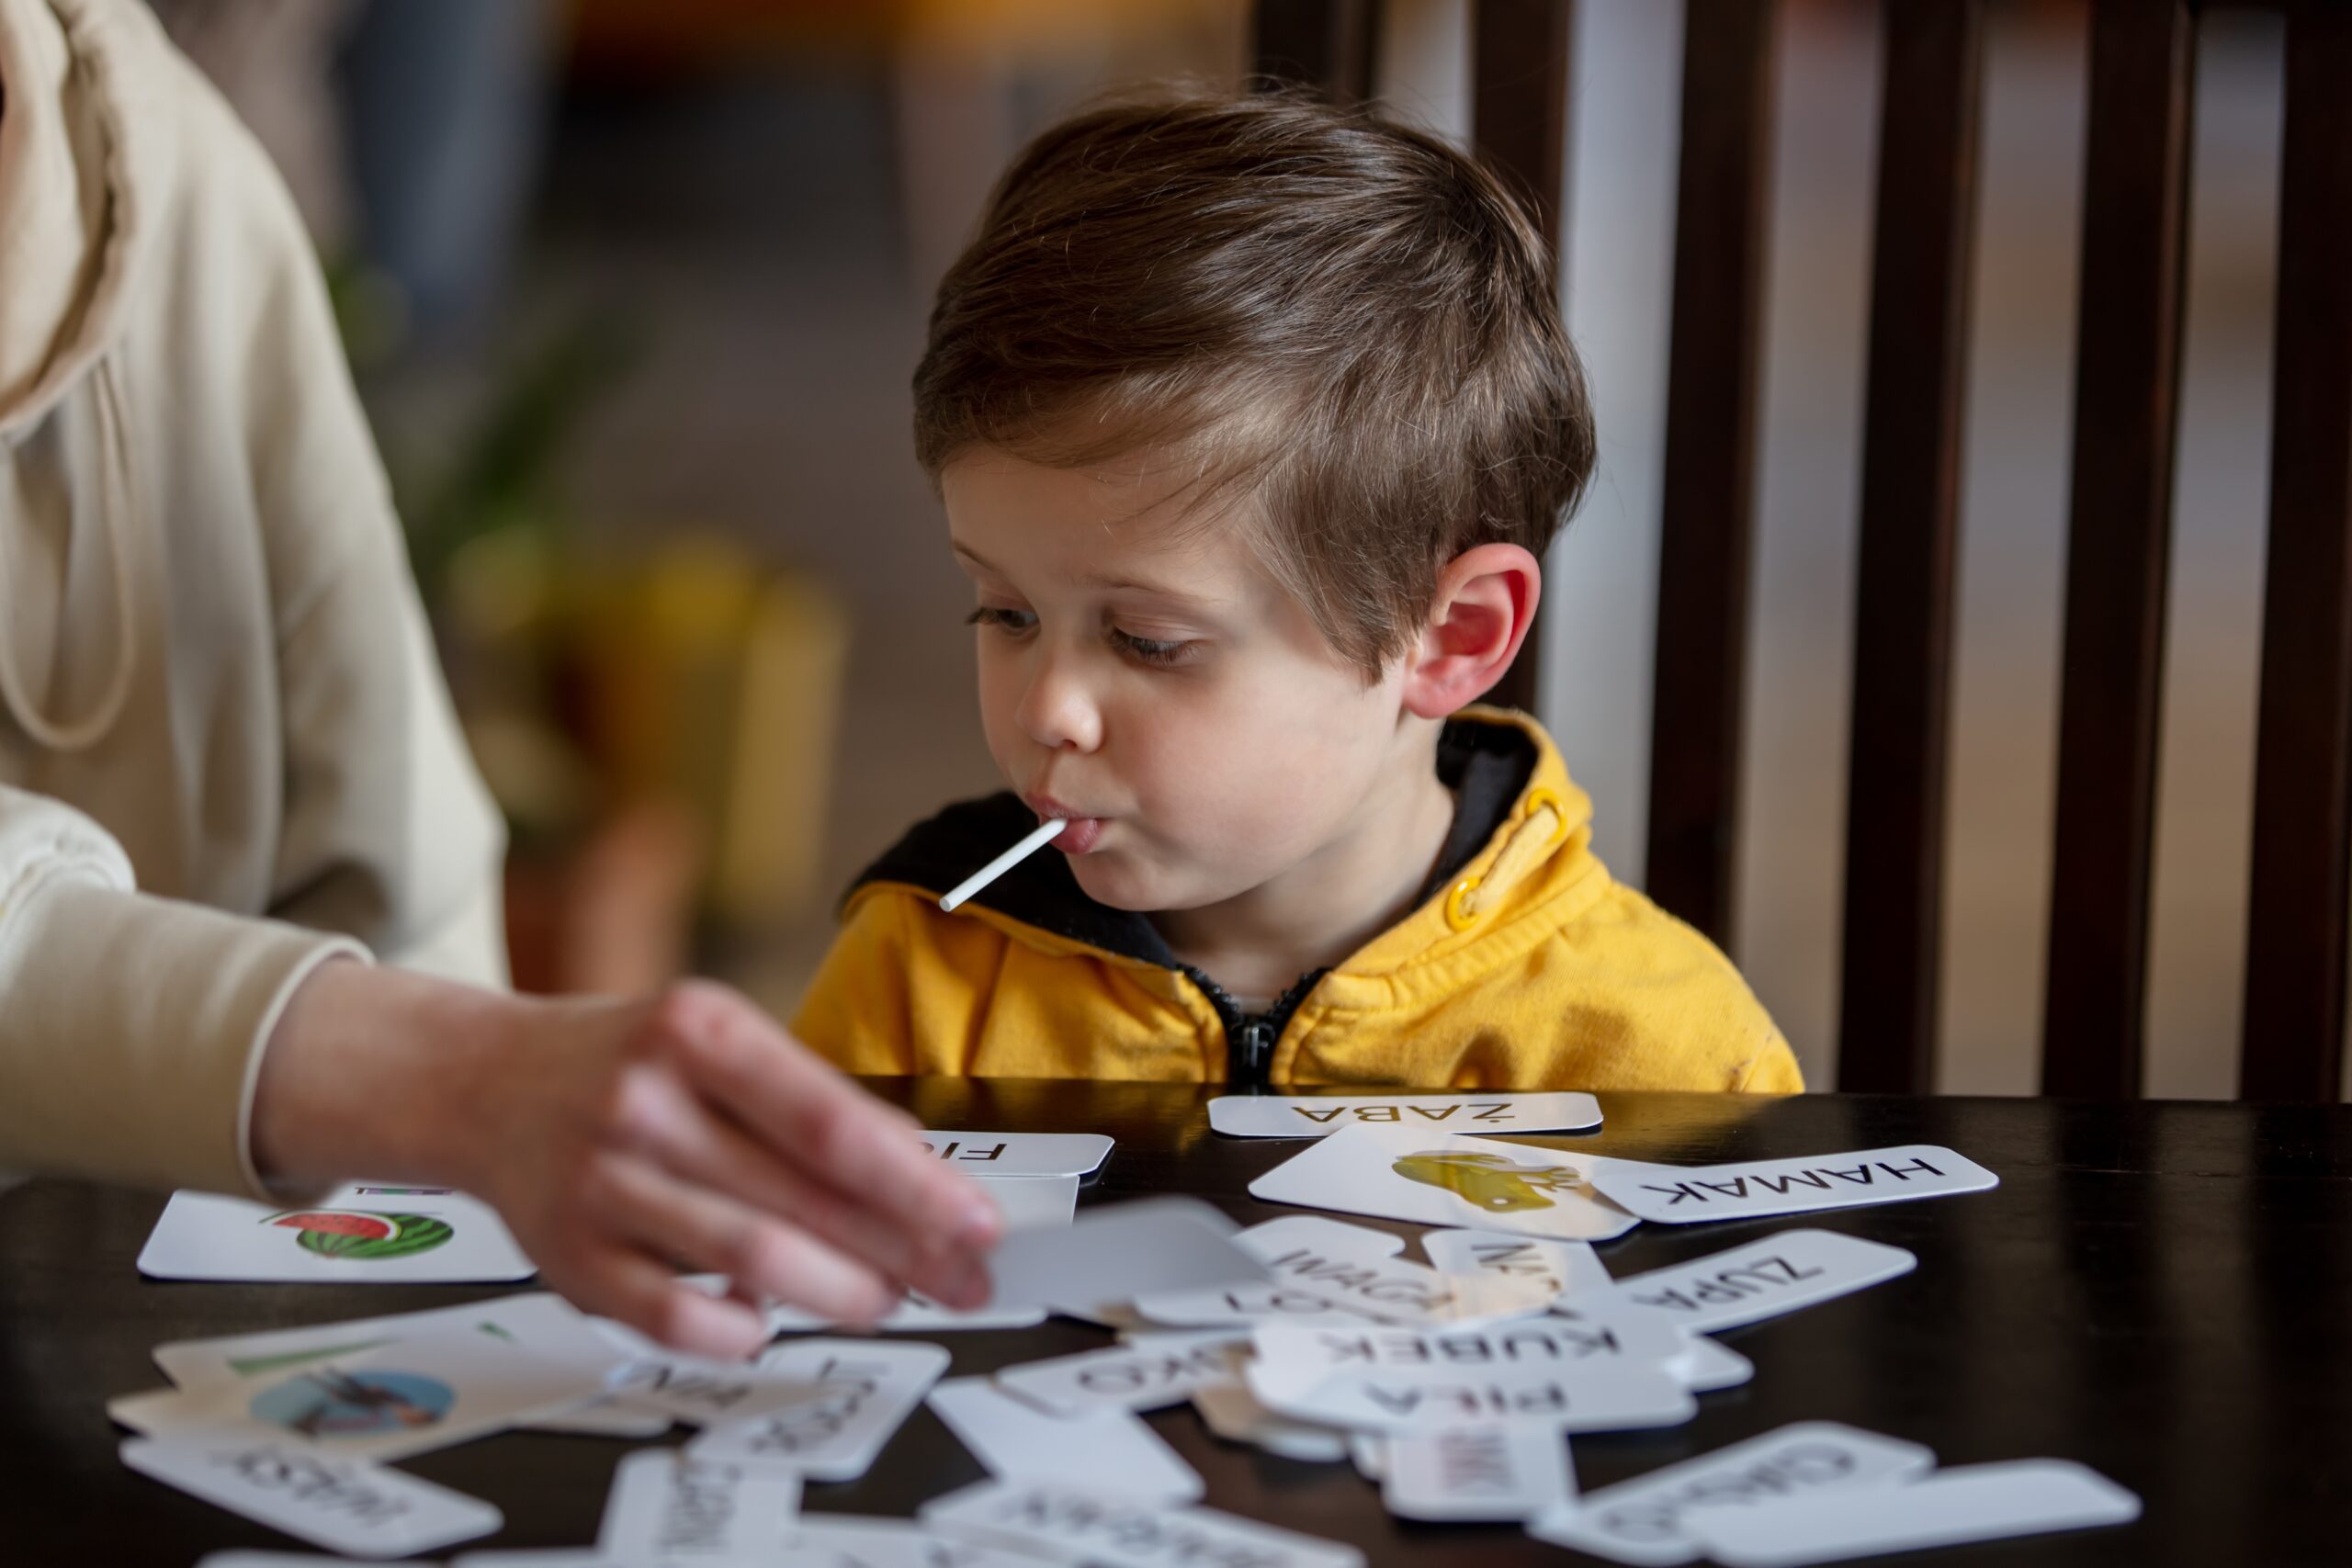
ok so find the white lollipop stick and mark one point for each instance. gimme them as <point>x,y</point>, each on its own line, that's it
<point>1003,863</point>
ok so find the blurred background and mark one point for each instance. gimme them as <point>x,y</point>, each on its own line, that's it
<point>634,291</point>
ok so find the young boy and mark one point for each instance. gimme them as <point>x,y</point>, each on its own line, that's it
<point>1252,420</point>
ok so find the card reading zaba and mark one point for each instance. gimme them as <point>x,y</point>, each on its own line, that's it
<point>364,1233</point>
<point>1441,1179</point>
<point>1315,1116</point>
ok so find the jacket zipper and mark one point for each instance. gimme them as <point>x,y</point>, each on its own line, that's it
<point>1251,1039</point>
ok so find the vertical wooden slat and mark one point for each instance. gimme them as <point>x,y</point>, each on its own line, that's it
<point>1903,609</point>
<point>1519,100</point>
<point>2302,825</point>
<point>1721,201</point>
<point>1329,44</point>
<point>2126,402</point>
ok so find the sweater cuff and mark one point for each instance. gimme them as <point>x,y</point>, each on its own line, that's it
<point>136,1029</point>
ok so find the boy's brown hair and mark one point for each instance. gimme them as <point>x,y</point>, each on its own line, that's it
<point>1340,317</point>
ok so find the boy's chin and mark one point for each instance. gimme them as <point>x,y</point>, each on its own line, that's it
<point>1116,881</point>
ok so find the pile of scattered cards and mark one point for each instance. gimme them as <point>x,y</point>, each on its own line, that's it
<point>1455,1383</point>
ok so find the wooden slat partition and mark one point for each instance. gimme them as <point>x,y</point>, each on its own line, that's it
<point>1721,202</point>
<point>1328,44</point>
<point>2126,405</point>
<point>2293,1042</point>
<point>1519,75</point>
<point>1910,512</point>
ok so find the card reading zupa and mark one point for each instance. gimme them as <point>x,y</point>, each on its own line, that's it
<point>364,1233</point>
<point>1316,1116</point>
<point>1444,1179</point>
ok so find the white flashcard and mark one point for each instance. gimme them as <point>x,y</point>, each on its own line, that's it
<point>1710,1366</point>
<point>1020,1154</point>
<point>1369,1453</point>
<point>1315,1116</point>
<point>1238,1416</point>
<point>1354,1268</point>
<point>1506,1471</point>
<point>1764,1279</point>
<point>1567,1266</point>
<point>347,1506</point>
<point>851,1540</point>
<point>1641,1521</point>
<point>861,1392</point>
<point>1292,1360</point>
<point>1242,1307</point>
<point>1109,1532</point>
<point>668,1504</point>
<point>406,1397</point>
<point>540,1322</point>
<point>1107,1450</point>
<point>363,1234</point>
<point>1755,1189</point>
<point>1951,1508</point>
<point>1611,1399</point>
<point>1131,1377</point>
<point>1120,1252</point>
<point>1444,1179</point>
<point>602,1418</point>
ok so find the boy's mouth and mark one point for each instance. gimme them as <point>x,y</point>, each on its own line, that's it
<point>1083,832</point>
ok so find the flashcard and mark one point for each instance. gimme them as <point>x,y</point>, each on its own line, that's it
<point>1951,1508</point>
<point>668,1504</point>
<point>1710,1366</point>
<point>707,1393</point>
<point>861,1393</point>
<point>1292,1361</point>
<point>1641,1521</point>
<point>1120,1252</point>
<point>406,1397</point>
<point>1567,1266</point>
<point>540,1322</point>
<point>1444,1179</point>
<point>365,1234</point>
<point>602,1418</point>
<point>1611,1399</point>
<point>1369,1453</point>
<point>850,1540</point>
<point>1131,1377</point>
<point>1242,1307</point>
<point>1106,1450</point>
<point>1354,1268</point>
<point>1314,1116</point>
<point>1238,1416</point>
<point>1509,1470</point>
<point>1764,1279</point>
<point>1682,1194</point>
<point>1027,1202</point>
<point>1020,1154</point>
<point>1111,1532</point>
<point>347,1506</point>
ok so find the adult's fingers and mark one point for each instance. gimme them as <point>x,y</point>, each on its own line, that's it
<point>686,1137</point>
<point>710,1231</point>
<point>620,1280</point>
<point>824,1125</point>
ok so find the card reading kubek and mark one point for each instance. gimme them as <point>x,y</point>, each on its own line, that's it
<point>1444,1179</point>
<point>364,1233</point>
<point>1315,1116</point>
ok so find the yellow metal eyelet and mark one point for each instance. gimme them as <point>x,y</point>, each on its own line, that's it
<point>1458,918</point>
<point>1537,800</point>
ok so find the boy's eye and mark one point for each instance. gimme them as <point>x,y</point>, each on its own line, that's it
<point>1001,618</point>
<point>1145,651</point>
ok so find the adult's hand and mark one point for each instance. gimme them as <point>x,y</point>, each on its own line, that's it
<point>621,1139</point>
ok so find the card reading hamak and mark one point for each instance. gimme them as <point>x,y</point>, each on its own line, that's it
<point>1680,1194</point>
<point>1314,1116</point>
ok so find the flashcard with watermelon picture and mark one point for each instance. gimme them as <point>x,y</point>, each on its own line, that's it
<point>365,1234</point>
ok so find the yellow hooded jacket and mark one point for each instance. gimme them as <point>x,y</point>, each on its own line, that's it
<point>1526,966</point>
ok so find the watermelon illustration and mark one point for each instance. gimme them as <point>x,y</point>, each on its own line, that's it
<point>355,1234</point>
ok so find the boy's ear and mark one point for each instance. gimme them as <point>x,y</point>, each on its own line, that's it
<point>1484,603</point>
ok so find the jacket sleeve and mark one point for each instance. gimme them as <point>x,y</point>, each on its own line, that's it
<point>857,1011</point>
<point>131,1027</point>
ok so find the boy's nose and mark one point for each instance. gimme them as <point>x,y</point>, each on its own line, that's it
<point>1058,712</point>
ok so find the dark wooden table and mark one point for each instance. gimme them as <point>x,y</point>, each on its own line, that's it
<point>2161,1290</point>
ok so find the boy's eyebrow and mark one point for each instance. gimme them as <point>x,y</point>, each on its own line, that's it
<point>1107,581</point>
